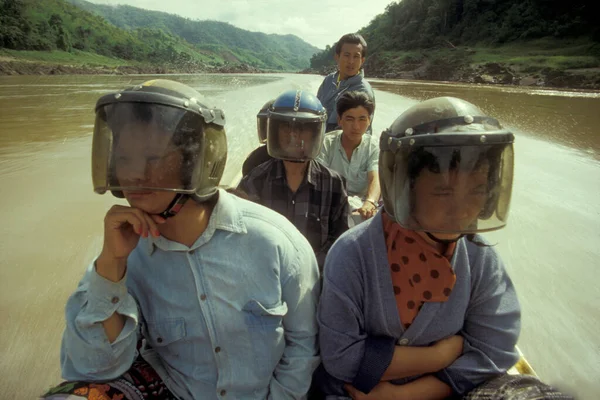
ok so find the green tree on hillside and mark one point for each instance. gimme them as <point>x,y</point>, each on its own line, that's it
<point>421,24</point>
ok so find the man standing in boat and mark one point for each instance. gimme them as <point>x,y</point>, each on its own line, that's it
<point>180,268</point>
<point>350,54</point>
<point>294,184</point>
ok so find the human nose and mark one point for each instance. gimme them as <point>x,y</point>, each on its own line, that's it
<point>458,207</point>
<point>134,170</point>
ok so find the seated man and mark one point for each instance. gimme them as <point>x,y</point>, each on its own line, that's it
<point>415,303</point>
<point>354,154</point>
<point>309,194</point>
<point>180,268</point>
<point>260,154</point>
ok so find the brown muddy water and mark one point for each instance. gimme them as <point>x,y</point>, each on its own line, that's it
<point>52,220</point>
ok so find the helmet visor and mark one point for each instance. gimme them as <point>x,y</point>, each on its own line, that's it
<point>453,189</point>
<point>261,126</point>
<point>294,140</point>
<point>146,147</point>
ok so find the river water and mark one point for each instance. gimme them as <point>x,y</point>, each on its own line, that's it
<point>52,220</point>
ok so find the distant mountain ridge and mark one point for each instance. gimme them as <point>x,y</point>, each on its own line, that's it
<point>261,50</point>
<point>78,32</point>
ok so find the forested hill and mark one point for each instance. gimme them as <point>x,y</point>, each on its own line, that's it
<point>150,38</point>
<point>414,24</point>
<point>531,34</point>
<point>287,51</point>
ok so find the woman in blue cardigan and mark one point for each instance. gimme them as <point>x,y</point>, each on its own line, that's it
<point>415,304</point>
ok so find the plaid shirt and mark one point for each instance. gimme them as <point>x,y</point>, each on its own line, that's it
<point>319,208</point>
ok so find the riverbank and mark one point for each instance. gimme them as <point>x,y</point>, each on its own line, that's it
<point>64,63</point>
<point>542,63</point>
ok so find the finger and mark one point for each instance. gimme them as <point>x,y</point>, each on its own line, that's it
<point>136,218</point>
<point>152,226</point>
<point>147,222</point>
<point>118,218</point>
<point>351,390</point>
<point>355,393</point>
<point>158,219</point>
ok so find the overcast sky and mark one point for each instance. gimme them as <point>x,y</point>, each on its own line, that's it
<point>319,22</point>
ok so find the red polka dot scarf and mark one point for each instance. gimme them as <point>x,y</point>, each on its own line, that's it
<point>419,272</point>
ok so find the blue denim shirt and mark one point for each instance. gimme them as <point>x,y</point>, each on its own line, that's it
<point>331,90</point>
<point>232,316</point>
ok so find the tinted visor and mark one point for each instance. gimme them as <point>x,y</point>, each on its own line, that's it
<point>261,126</point>
<point>294,140</point>
<point>146,147</point>
<point>453,189</point>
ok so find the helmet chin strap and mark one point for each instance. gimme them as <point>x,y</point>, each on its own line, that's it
<point>175,206</point>
<point>443,241</point>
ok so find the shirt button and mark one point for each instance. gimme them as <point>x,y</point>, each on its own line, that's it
<point>202,297</point>
<point>223,392</point>
<point>159,340</point>
<point>403,342</point>
<point>114,300</point>
<point>217,349</point>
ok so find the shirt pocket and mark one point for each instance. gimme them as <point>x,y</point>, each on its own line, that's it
<point>258,316</point>
<point>161,334</point>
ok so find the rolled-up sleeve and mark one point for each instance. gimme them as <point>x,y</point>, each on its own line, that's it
<point>491,329</point>
<point>300,291</point>
<point>348,353</point>
<point>86,353</point>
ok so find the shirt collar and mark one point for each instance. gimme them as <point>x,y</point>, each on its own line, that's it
<point>225,216</point>
<point>339,142</point>
<point>351,80</point>
<point>312,172</point>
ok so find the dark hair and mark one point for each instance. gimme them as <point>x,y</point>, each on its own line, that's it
<point>471,238</point>
<point>351,38</point>
<point>354,99</point>
<point>420,159</point>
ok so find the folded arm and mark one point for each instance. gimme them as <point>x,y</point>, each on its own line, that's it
<point>490,332</point>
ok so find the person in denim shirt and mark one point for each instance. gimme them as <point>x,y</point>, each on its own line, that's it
<point>222,291</point>
<point>350,54</point>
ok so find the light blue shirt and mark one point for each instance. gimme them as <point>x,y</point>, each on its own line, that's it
<point>365,158</point>
<point>331,90</point>
<point>231,317</point>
